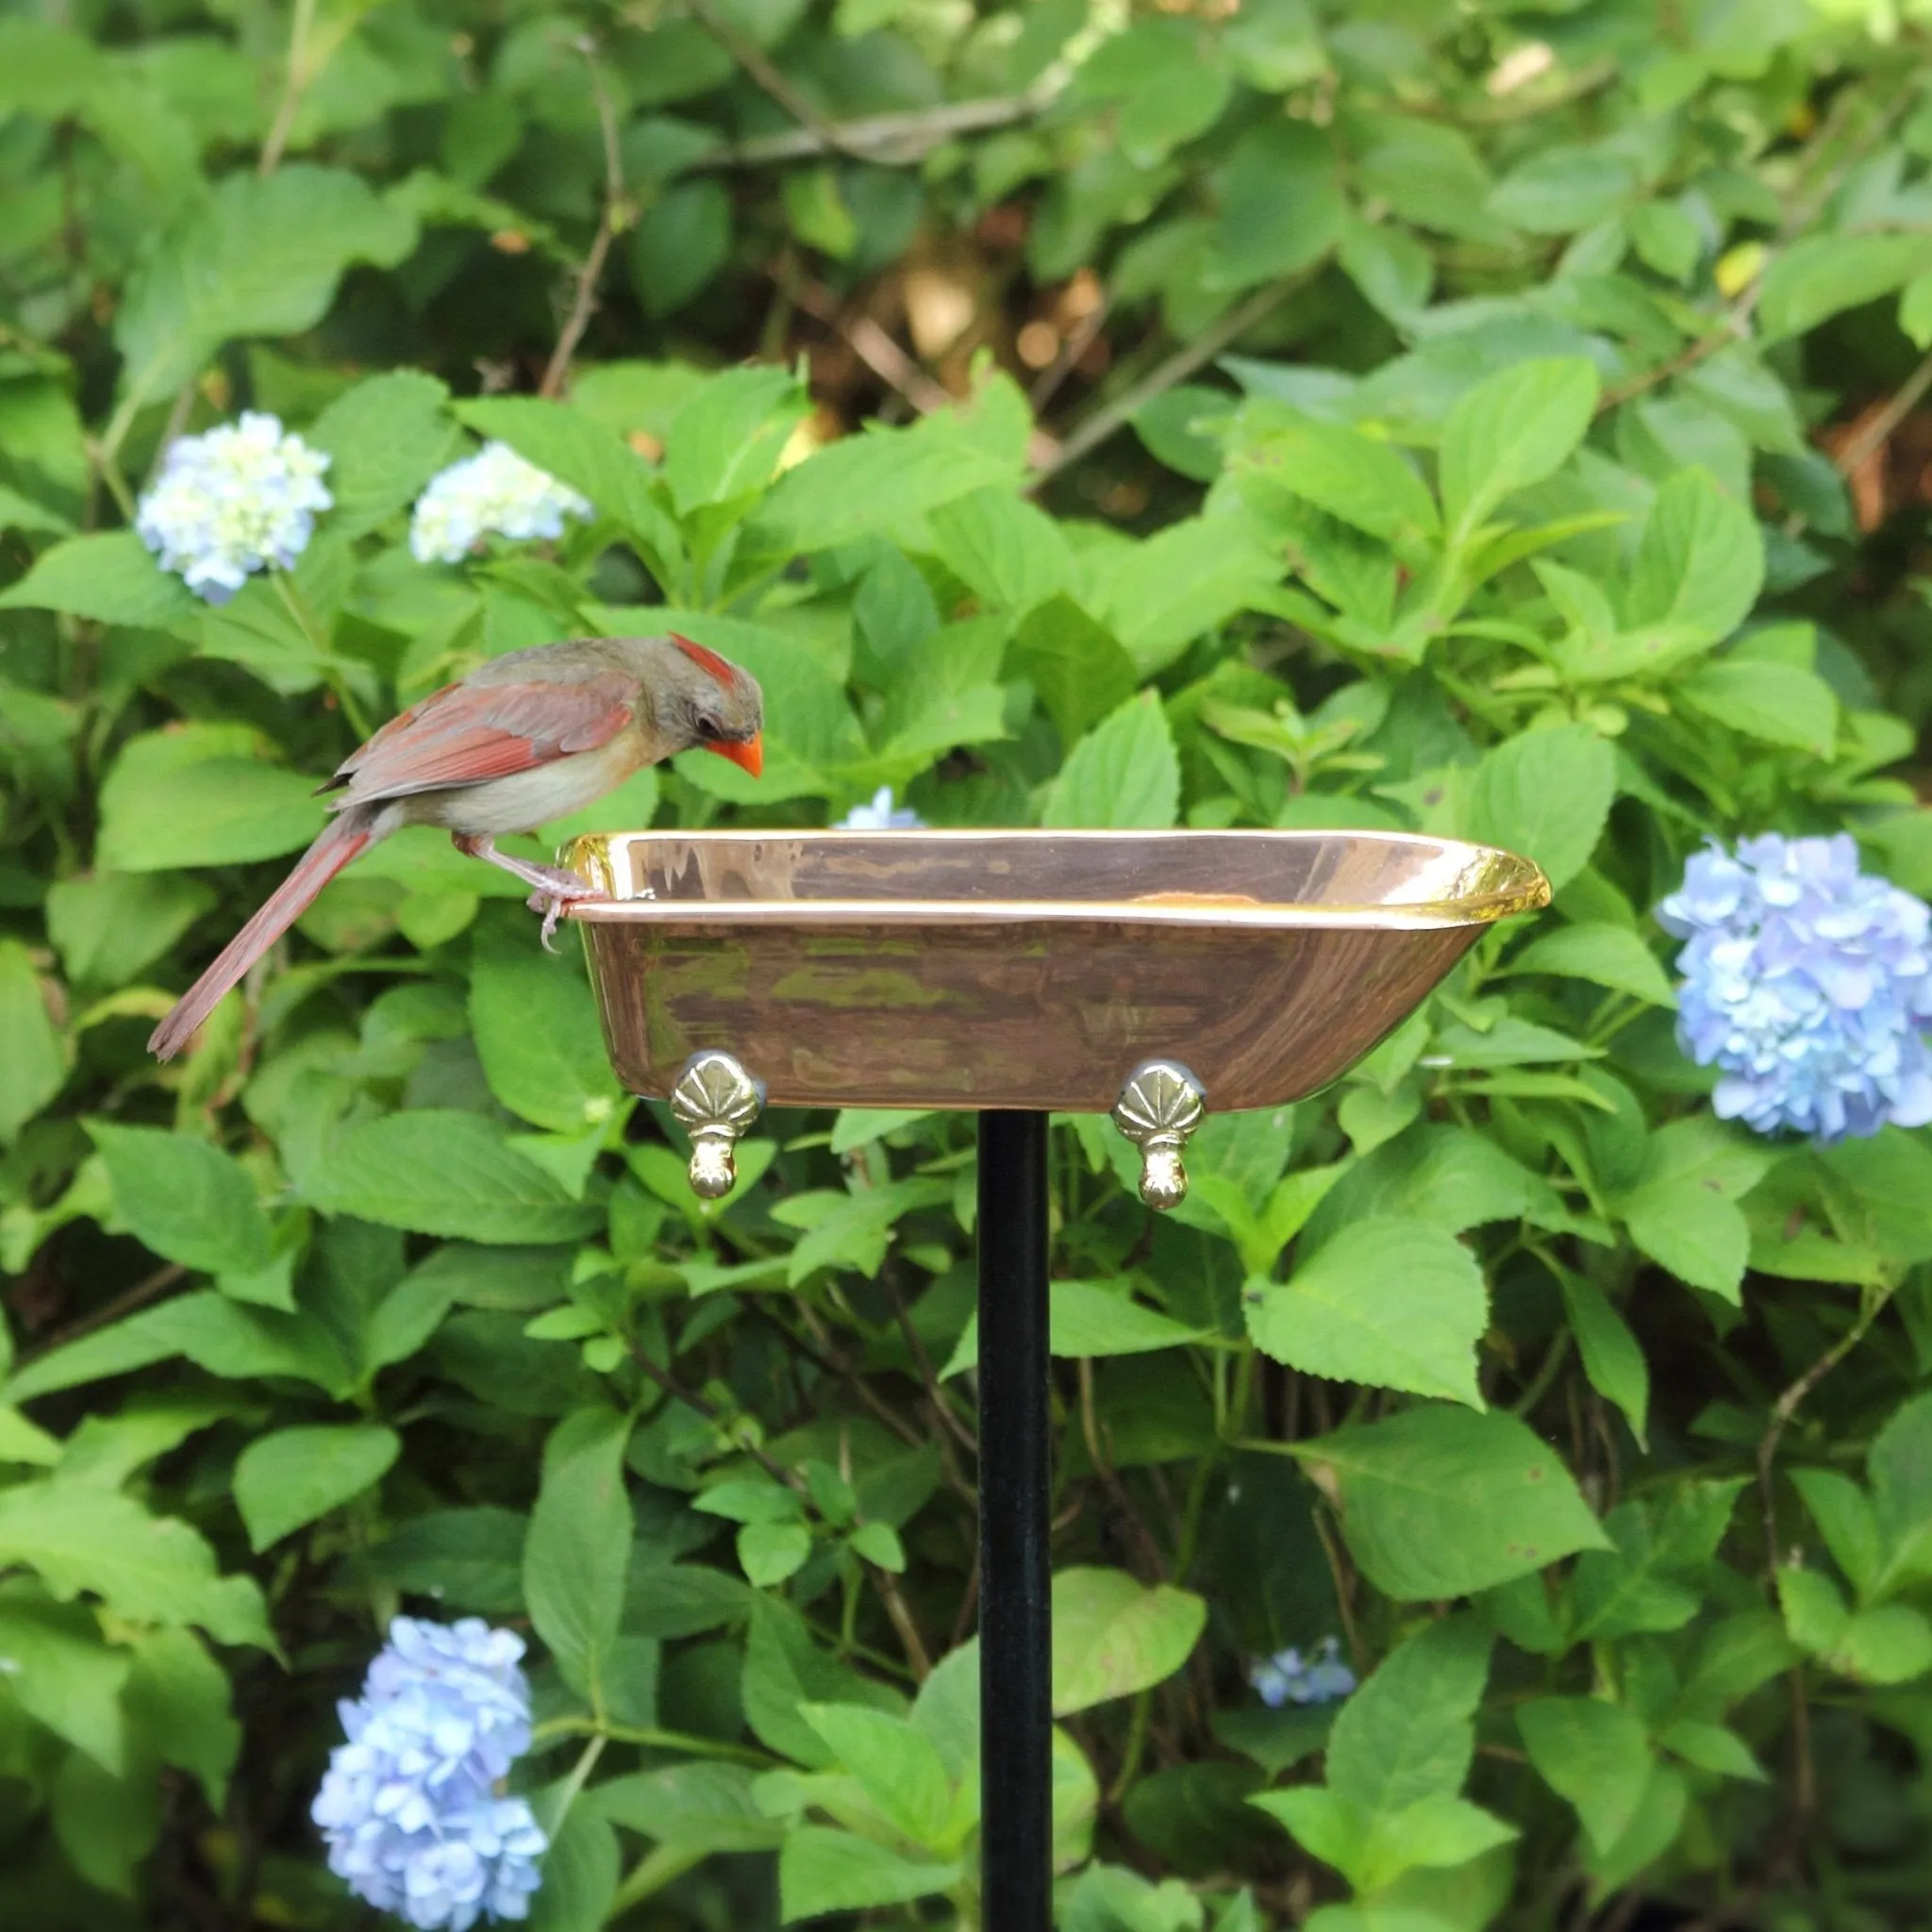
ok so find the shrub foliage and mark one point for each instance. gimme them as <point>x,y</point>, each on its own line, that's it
<point>1489,417</point>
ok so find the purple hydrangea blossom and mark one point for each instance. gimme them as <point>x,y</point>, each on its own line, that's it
<point>233,502</point>
<point>1288,1677</point>
<point>412,1805</point>
<point>881,815</point>
<point>1807,984</point>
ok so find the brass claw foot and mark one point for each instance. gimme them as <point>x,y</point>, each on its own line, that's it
<point>1160,1106</point>
<point>715,1102</point>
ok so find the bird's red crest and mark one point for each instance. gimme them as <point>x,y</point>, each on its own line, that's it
<point>707,661</point>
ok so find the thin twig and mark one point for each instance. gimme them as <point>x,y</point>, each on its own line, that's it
<point>872,347</point>
<point>884,140</point>
<point>916,1343</point>
<point>611,219</point>
<point>709,1411</point>
<point>1183,364</point>
<point>752,58</point>
<point>1878,431</point>
<point>294,84</point>
<point>1047,384</point>
<point>1787,1407</point>
<point>911,1641</point>
<point>143,1291</point>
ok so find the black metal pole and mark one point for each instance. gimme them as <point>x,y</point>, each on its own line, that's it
<point>1015,1521</point>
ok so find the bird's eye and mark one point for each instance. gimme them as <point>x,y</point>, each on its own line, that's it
<point>709,727</point>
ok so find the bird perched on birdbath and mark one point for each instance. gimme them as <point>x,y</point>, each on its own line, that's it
<point>527,738</point>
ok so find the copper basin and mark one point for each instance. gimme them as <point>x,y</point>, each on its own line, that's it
<point>1024,968</point>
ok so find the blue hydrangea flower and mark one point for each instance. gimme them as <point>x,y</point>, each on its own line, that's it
<point>1807,984</point>
<point>494,492</point>
<point>233,502</point>
<point>412,1806</point>
<point>881,815</point>
<point>1288,1677</point>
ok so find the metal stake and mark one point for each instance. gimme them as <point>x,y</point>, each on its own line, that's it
<point>1015,1517</point>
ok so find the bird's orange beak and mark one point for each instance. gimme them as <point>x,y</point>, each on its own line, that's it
<point>750,754</point>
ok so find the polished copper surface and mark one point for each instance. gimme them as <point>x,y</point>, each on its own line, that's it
<point>1024,968</point>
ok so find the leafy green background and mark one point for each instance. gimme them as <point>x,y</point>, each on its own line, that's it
<point>1492,417</point>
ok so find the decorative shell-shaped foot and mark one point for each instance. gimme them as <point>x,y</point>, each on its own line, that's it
<point>1160,1106</point>
<point>715,1102</point>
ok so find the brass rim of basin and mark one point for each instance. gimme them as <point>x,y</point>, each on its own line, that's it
<point>1489,885</point>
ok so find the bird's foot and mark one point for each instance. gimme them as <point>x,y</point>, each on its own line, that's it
<point>562,889</point>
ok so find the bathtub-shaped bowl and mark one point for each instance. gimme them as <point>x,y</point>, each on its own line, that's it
<point>1030,970</point>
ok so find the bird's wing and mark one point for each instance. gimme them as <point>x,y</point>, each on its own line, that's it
<point>466,733</point>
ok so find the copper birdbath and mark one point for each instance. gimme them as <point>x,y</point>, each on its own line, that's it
<point>1155,976</point>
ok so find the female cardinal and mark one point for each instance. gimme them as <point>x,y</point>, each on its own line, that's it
<point>529,737</point>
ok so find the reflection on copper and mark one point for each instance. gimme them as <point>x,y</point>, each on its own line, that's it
<point>1024,968</point>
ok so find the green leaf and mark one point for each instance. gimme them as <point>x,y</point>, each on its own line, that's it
<point>1123,775</point>
<point>200,794</point>
<point>1351,476</point>
<point>1613,1358</point>
<point>1700,564</point>
<point>1161,594</point>
<point>538,1034</point>
<point>1437,1502</point>
<point>188,1201</point>
<point>1509,431</point>
<point>111,579</point>
<point>823,1871</point>
<point>580,1873</point>
<point>440,1171</point>
<point>109,926</point>
<point>385,437</point>
<point>1280,204</point>
<point>853,487</point>
<point>1891,1644</point>
<point>1848,1523</point>
<point>1112,1636</point>
<point>34,1067</point>
<point>1777,704</point>
<point>60,1671</point>
<point>725,440</point>
<point>1408,1735</point>
<point>1593,1754</point>
<point>896,1767</point>
<point>1087,1319</point>
<point>770,1551</point>
<point>292,1477</point>
<point>260,256</point>
<point>1075,664</point>
<point>578,1554</point>
<point>1693,1231</point>
<point>1712,1747</point>
<point>148,1569</point>
<point>1818,275</point>
<point>785,1671</point>
<point>1391,1302</point>
<point>1007,552</point>
<point>1652,1578</point>
<point>468,1560</point>
<point>1547,796</point>
<point>1900,1467</point>
<point>1603,953</point>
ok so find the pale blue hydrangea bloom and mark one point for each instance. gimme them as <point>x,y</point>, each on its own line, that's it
<point>232,502</point>
<point>494,493</point>
<point>1288,1677</point>
<point>1807,984</point>
<point>880,816</point>
<point>412,1806</point>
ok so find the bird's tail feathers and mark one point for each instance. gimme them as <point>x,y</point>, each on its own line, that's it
<point>340,841</point>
